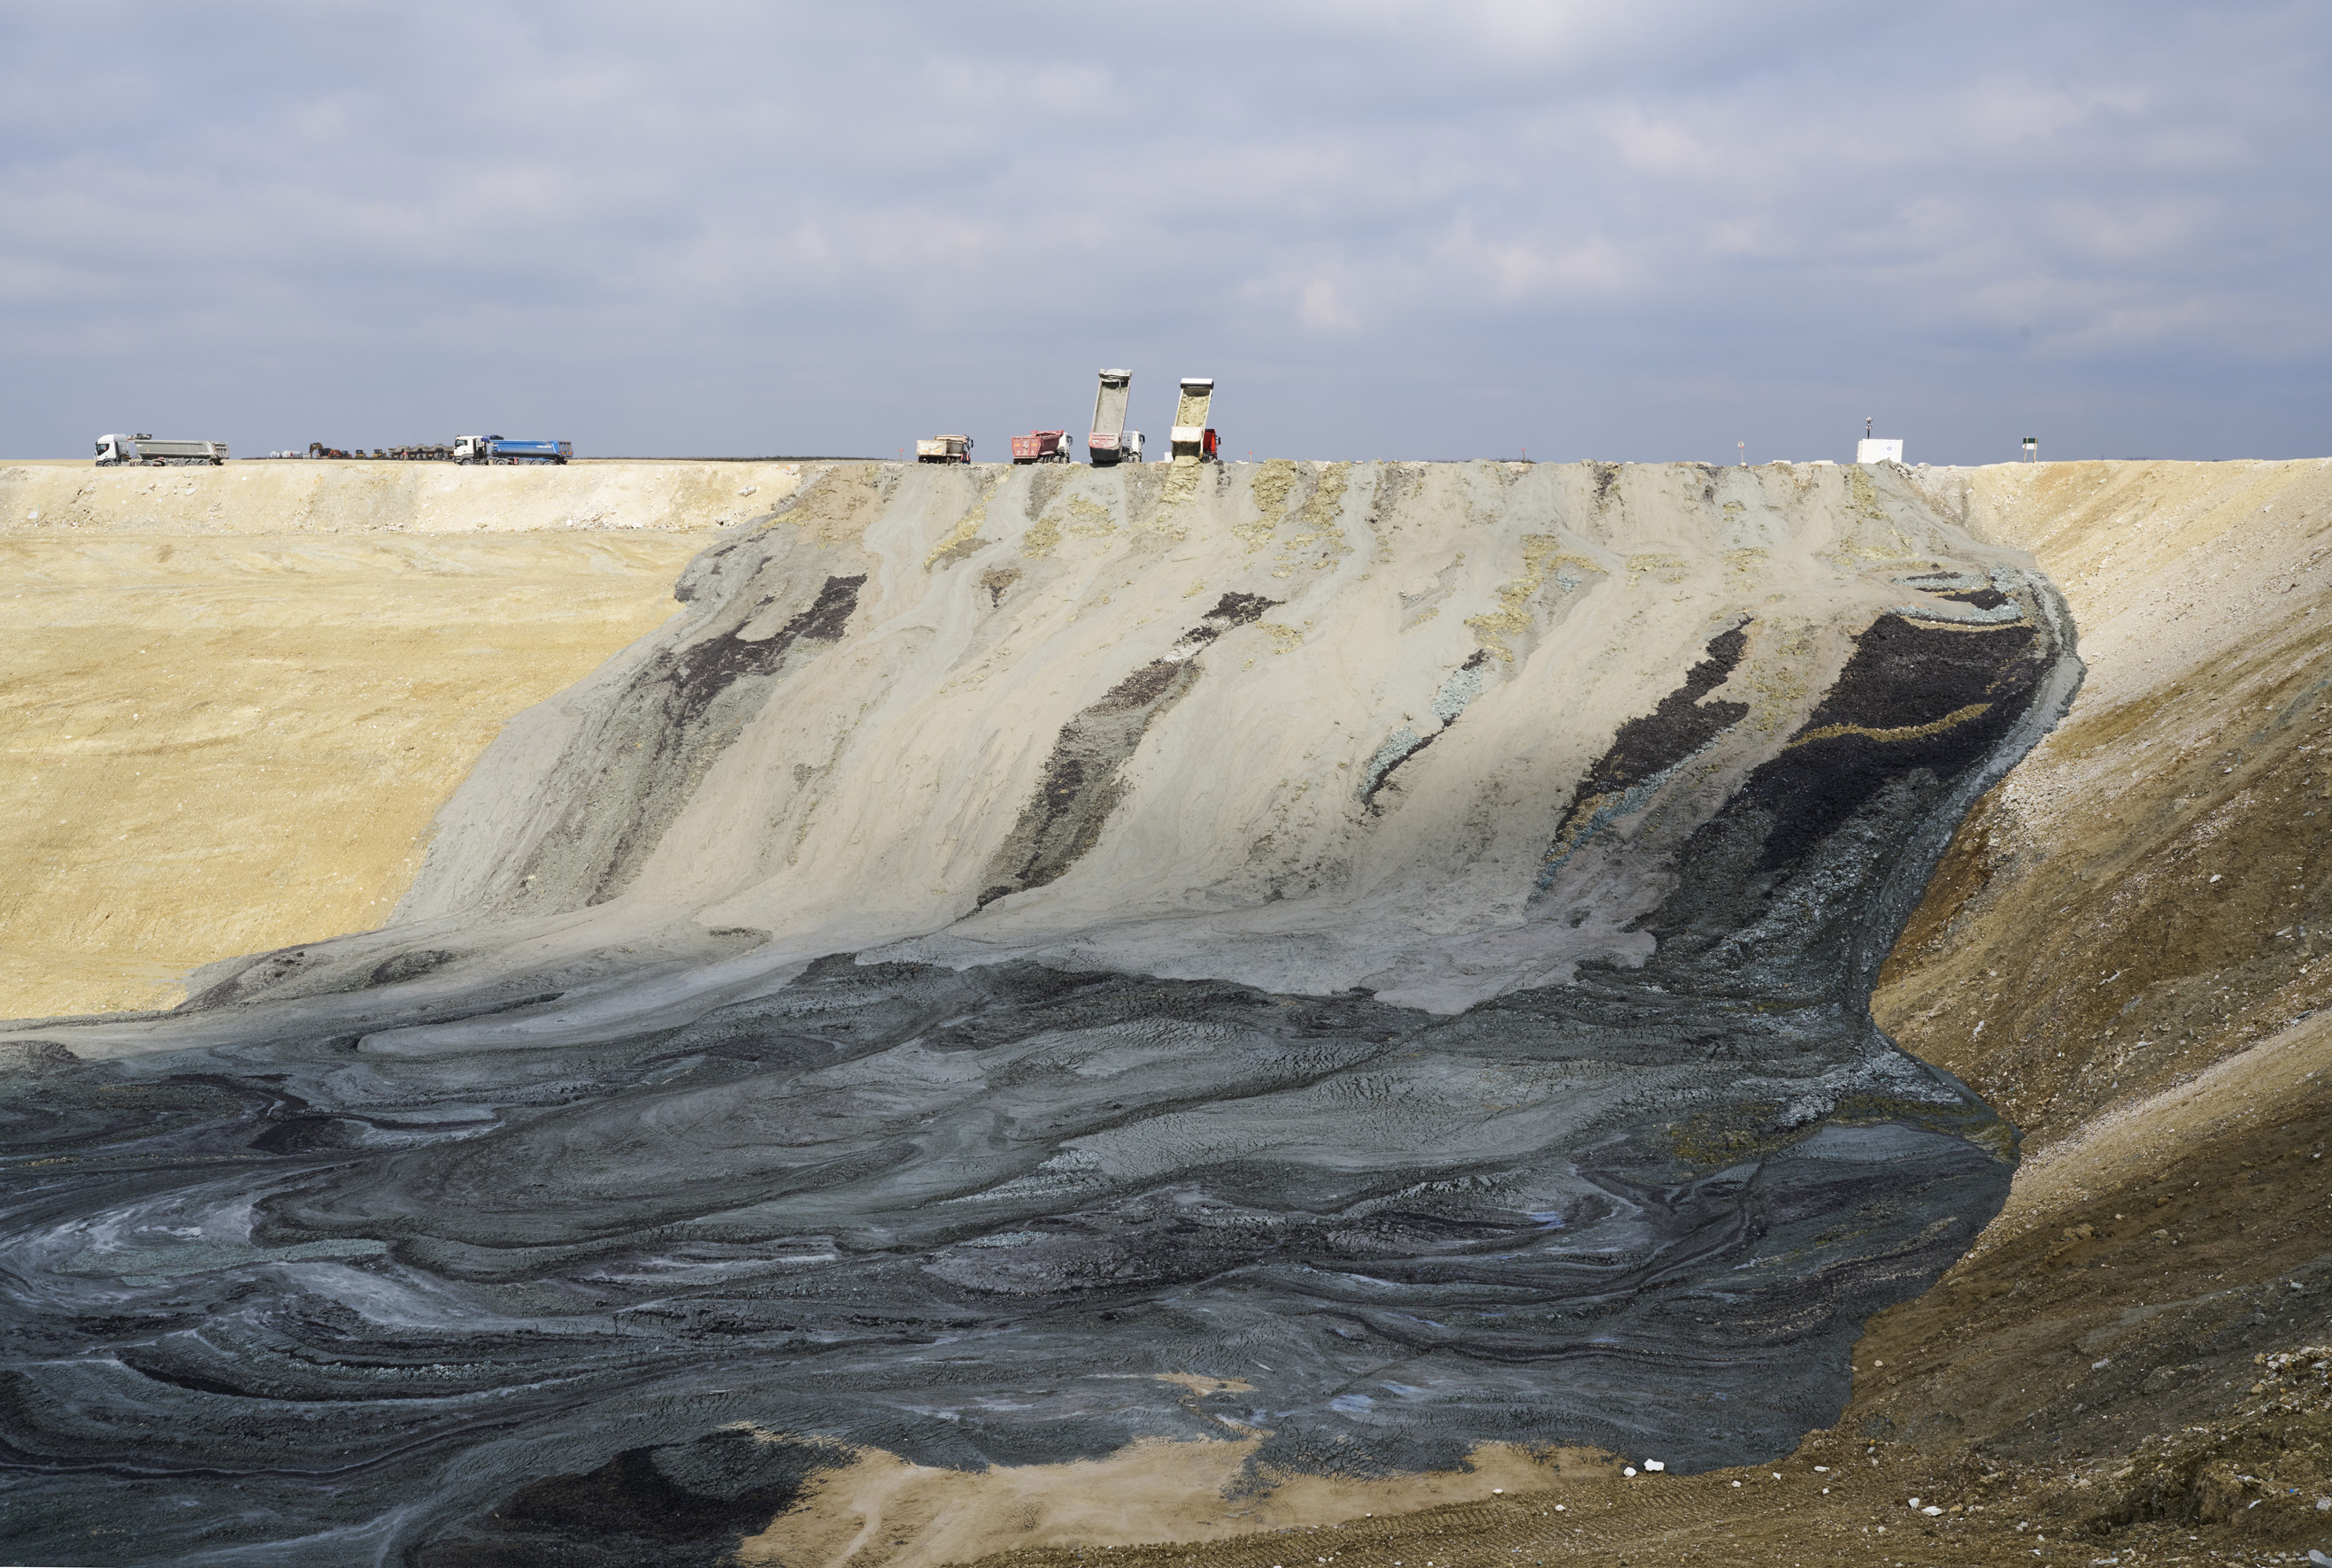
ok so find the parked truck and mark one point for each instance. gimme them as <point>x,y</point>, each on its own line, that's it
<point>1111,442</point>
<point>1194,439</point>
<point>945,449</point>
<point>144,451</point>
<point>500,449</point>
<point>1041,447</point>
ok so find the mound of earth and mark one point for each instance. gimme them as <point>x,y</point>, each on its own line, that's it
<point>1345,972</point>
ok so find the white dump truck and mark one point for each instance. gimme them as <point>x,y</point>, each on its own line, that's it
<point>944,449</point>
<point>1194,439</point>
<point>144,451</point>
<point>1110,441</point>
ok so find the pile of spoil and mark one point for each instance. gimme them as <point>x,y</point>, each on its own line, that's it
<point>1342,966</point>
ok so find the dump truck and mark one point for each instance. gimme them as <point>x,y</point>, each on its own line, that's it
<point>1041,447</point>
<point>945,449</point>
<point>144,451</point>
<point>1193,438</point>
<point>1111,442</point>
<point>500,449</point>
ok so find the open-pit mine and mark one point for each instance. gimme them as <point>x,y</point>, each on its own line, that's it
<point>851,1015</point>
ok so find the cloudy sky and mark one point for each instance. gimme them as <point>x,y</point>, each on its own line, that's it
<point>1464,229</point>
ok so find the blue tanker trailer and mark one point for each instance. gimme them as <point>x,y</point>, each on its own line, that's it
<point>495,449</point>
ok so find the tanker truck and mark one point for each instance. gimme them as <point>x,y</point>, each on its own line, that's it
<point>144,451</point>
<point>498,449</point>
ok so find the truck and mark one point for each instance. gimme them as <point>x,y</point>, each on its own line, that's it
<point>945,449</point>
<point>1111,442</point>
<point>1041,447</point>
<point>144,451</point>
<point>1194,440</point>
<point>500,449</point>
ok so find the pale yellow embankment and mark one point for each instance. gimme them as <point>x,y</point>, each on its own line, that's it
<point>298,496</point>
<point>234,698</point>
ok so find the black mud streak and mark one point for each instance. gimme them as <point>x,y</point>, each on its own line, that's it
<point>671,1506</point>
<point>1080,786</point>
<point>681,713</point>
<point>1795,874</point>
<point>697,677</point>
<point>1912,697</point>
<point>1647,748</point>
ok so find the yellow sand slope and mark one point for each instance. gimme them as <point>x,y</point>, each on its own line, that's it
<point>302,659</point>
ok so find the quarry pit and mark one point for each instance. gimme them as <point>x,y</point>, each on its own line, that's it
<point>1277,997</point>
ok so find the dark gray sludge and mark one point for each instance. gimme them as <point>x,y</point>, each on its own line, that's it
<point>961,1216</point>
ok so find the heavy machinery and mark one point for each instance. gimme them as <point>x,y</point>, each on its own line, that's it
<point>1041,447</point>
<point>496,449</point>
<point>144,451</point>
<point>1111,442</point>
<point>317,449</point>
<point>1193,438</point>
<point>945,449</point>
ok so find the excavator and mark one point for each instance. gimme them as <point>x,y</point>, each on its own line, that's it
<point>1111,442</point>
<point>1193,438</point>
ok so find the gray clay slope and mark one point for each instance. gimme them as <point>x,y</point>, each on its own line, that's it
<point>1396,936</point>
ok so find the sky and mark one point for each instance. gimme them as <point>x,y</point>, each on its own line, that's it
<point>1472,228</point>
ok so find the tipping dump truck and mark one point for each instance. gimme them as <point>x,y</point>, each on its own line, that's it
<point>1111,442</point>
<point>1041,447</point>
<point>144,451</point>
<point>944,449</point>
<point>496,449</point>
<point>1193,438</point>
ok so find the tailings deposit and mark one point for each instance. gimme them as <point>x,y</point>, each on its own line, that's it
<point>1360,963</point>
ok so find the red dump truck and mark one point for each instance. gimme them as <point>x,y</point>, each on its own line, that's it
<point>1041,447</point>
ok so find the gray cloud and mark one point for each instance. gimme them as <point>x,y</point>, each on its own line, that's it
<point>1390,230</point>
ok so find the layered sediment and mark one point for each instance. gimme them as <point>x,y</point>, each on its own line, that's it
<point>1356,961</point>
